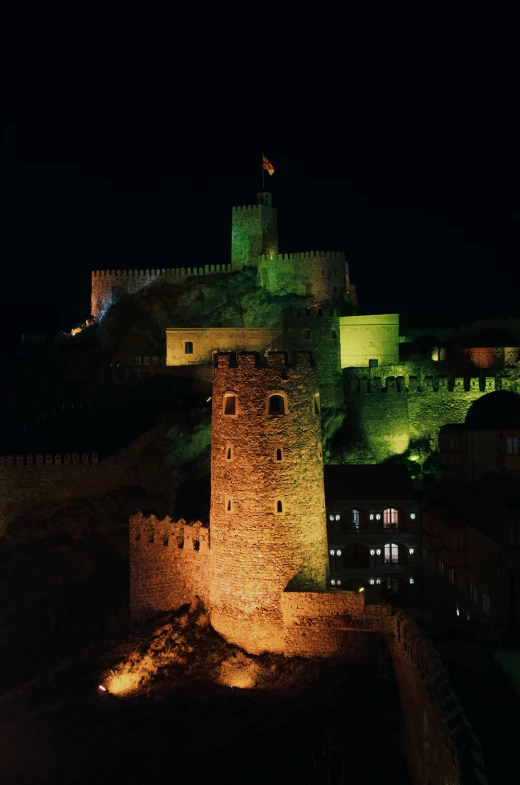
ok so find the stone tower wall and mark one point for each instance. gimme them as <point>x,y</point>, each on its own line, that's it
<point>318,330</point>
<point>256,550</point>
<point>320,275</point>
<point>254,231</point>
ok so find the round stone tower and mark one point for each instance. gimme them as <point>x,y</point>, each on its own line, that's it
<point>318,330</point>
<point>268,524</point>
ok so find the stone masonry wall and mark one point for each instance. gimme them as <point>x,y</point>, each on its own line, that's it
<point>333,624</point>
<point>365,338</point>
<point>110,286</point>
<point>320,275</point>
<point>391,412</point>
<point>257,548</point>
<point>254,231</point>
<point>169,564</point>
<point>205,342</point>
<point>317,330</point>
<point>440,744</point>
<point>26,482</point>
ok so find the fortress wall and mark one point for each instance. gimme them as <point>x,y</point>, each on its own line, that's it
<point>391,412</point>
<point>365,338</point>
<point>224,339</point>
<point>169,564</point>
<point>320,275</point>
<point>110,286</point>
<point>25,484</point>
<point>440,744</point>
<point>332,624</point>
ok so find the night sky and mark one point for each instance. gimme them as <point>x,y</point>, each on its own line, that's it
<point>126,142</point>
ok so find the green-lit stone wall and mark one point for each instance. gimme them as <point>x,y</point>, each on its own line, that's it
<point>389,413</point>
<point>369,337</point>
<point>316,330</point>
<point>254,231</point>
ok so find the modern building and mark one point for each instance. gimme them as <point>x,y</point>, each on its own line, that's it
<point>374,531</point>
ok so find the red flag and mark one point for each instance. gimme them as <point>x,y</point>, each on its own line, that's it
<point>267,165</point>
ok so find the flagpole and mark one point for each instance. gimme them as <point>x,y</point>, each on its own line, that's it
<point>263,173</point>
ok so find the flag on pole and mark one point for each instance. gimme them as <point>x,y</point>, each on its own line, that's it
<point>267,165</point>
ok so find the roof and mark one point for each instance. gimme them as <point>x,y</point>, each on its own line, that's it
<point>380,481</point>
<point>492,338</point>
<point>497,410</point>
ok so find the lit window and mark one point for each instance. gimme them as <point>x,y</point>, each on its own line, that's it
<point>338,517</point>
<point>371,517</point>
<point>411,551</point>
<point>378,517</point>
<point>355,519</point>
<point>512,445</point>
<point>378,551</point>
<point>338,583</point>
<point>331,517</point>
<point>230,405</point>
<point>372,581</point>
<point>276,404</point>
<point>188,347</point>
<point>412,516</point>
<point>378,581</point>
<point>412,580</point>
<point>372,552</point>
<point>390,518</point>
<point>332,553</point>
<point>391,553</point>
<point>338,553</point>
<point>316,403</point>
<point>333,582</point>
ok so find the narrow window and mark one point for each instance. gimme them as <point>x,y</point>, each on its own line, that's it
<point>333,335</point>
<point>229,453</point>
<point>335,288</point>
<point>188,347</point>
<point>323,272</point>
<point>306,335</point>
<point>512,445</point>
<point>230,405</point>
<point>229,504</point>
<point>355,519</point>
<point>316,403</point>
<point>279,506</point>
<point>279,455</point>
<point>276,404</point>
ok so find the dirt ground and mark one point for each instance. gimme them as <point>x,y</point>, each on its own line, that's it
<point>183,706</point>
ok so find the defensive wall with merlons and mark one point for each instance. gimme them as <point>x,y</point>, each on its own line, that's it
<point>111,286</point>
<point>390,412</point>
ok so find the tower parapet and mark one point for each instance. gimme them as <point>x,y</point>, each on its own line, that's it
<point>268,524</point>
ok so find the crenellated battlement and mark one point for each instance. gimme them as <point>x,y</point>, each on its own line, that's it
<point>311,313</point>
<point>175,272</point>
<point>166,532</point>
<point>48,459</point>
<point>414,384</point>
<point>273,360</point>
<point>322,255</point>
<point>248,208</point>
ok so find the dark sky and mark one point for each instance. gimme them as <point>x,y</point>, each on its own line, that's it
<point>128,141</point>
